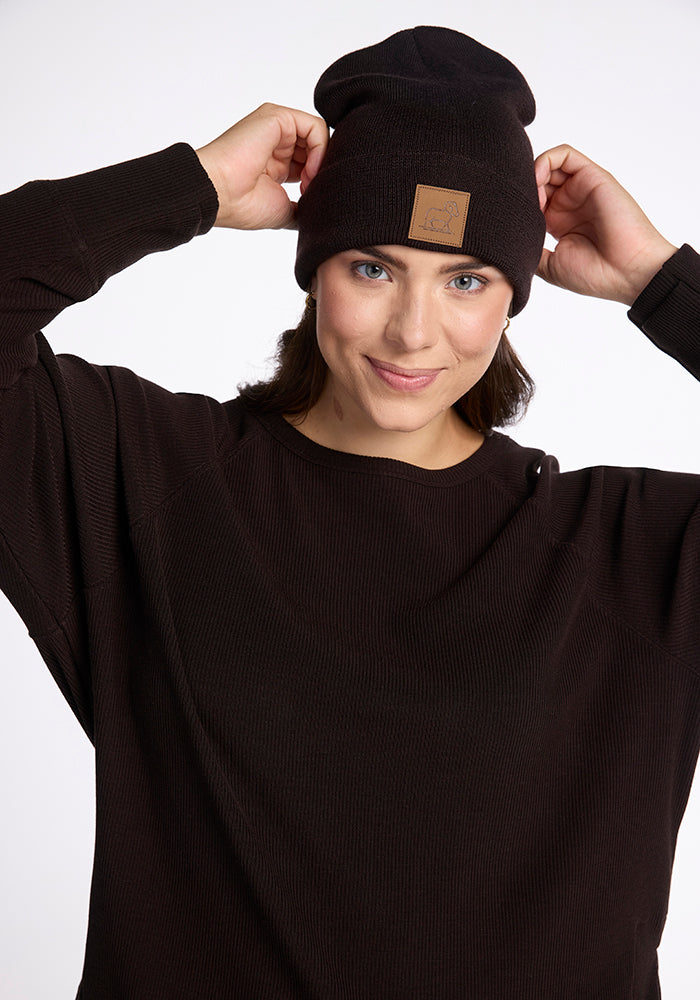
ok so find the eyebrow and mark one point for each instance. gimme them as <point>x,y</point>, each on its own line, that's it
<point>468,263</point>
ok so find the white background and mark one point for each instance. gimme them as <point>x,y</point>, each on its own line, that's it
<point>84,84</point>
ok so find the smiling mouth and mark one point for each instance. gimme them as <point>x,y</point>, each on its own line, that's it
<point>410,379</point>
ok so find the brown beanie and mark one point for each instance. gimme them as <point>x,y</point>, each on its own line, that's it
<point>429,150</point>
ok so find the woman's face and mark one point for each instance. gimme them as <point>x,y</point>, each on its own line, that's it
<point>405,333</point>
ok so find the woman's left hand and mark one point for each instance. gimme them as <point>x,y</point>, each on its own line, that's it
<point>606,245</point>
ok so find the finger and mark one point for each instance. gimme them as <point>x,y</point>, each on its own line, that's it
<point>315,145</point>
<point>543,266</point>
<point>299,161</point>
<point>563,157</point>
<point>546,268</point>
<point>545,165</point>
<point>549,172</point>
<point>556,166</point>
<point>547,191</point>
<point>302,146</point>
<point>297,130</point>
<point>291,222</point>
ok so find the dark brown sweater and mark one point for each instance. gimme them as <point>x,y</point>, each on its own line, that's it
<point>362,730</point>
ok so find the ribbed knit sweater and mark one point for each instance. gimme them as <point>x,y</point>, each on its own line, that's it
<point>362,730</point>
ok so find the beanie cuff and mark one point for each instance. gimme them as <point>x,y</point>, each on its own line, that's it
<point>429,150</point>
<point>503,227</point>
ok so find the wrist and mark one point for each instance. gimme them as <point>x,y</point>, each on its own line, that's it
<point>212,173</point>
<point>646,267</point>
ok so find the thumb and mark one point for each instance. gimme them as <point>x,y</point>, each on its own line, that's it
<point>546,266</point>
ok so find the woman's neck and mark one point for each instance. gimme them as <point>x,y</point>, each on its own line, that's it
<point>438,446</point>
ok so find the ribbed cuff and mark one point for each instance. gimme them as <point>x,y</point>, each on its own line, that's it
<point>122,212</point>
<point>668,309</point>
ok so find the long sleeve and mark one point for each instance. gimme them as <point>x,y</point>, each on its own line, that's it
<point>362,729</point>
<point>63,522</point>
<point>61,240</point>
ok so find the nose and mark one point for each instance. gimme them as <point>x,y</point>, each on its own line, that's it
<point>412,324</point>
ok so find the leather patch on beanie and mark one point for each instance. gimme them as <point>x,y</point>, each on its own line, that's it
<point>439,215</point>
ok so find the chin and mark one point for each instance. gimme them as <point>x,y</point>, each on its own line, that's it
<point>405,423</point>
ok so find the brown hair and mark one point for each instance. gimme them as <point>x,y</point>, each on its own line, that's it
<point>499,397</point>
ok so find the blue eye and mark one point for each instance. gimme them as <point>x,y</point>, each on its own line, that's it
<point>466,283</point>
<point>371,270</point>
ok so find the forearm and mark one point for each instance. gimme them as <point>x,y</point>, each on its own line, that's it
<point>61,240</point>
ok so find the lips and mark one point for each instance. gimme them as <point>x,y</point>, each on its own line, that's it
<point>404,379</point>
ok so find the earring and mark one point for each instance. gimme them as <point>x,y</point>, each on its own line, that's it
<point>507,324</point>
<point>310,301</point>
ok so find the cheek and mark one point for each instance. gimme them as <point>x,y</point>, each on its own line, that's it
<point>332,343</point>
<point>495,339</point>
<point>341,326</point>
<point>477,344</point>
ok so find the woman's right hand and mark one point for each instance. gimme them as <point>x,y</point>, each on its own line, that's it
<point>251,161</point>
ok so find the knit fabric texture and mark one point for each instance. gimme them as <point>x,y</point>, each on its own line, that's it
<point>362,730</point>
<point>429,150</point>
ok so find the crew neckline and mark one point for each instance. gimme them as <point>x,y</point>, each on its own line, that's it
<point>293,440</point>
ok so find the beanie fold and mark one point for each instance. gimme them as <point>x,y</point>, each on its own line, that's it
<point>501,228</point>
<point>428,111</point>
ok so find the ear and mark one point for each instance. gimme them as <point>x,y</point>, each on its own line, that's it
<point>312,286</point>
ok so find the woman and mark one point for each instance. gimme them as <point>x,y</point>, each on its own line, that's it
<point>382,704</point>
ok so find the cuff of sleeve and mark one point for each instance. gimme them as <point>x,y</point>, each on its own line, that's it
<point>151,203</point>
<point>668,309</point>
<point>146,187</point>
<point>683,266</point>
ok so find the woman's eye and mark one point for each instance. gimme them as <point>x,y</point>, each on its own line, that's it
<point>466,283</point>
<point>369,270</point>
